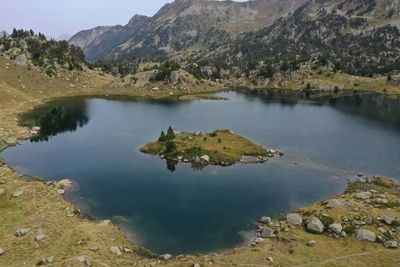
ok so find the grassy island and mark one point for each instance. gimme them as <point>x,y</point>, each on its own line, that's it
<point>221,147</point>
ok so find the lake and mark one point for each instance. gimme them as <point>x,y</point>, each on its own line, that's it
<point>96,142</point>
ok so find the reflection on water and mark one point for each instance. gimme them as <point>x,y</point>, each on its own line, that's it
<point>57,117</point>
<point>173,208</point>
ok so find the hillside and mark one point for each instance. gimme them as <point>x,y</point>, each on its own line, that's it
<point>181,25</point>
<point>34,51</point>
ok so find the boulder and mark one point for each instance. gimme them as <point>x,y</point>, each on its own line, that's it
<point>311,243</point>
<point>115,250</point>
<point>336,228</point>
<point>39,236</point>
<point>267,232</point>
<point>314,225</point>
<point>381,201</point>
<point>165,257</point>
<point>64,184</point>
<point>387,219</point>
<point>1,251</point>
<point>390,244</point>
<point>363,195</point>
<point>205,158</point>
<point>22,232</point>
<point>94,248</point>
<point>366,235</point>
<point>294,218</point>
<point>335,203</point>
<point>265,220</point>
<point>17,193</point>
<point>85,260</point>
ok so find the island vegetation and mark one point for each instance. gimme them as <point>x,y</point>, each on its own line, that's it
<point>221,147</point>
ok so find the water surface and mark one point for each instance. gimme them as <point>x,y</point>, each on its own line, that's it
<point>96,142</point>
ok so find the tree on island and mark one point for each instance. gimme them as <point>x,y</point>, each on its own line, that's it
<point>170,133</point>
<point>170,147</point>
<point>162,137</point>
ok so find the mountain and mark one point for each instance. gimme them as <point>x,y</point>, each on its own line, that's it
<point>181,25</point>
<point>355,36</point>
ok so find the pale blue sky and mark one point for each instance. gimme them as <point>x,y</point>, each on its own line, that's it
<point>56,17</point>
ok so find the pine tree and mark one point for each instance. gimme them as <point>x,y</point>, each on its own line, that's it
<point>170,133</point>
<point>162,137</point>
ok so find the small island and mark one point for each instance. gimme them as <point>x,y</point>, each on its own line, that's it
<point>221,147</point>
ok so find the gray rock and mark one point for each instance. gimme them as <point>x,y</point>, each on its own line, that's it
<point>366,235</point>
<point>381,201</point>
<point>205,158</point>
<point>335,203</point>
<point>17,193</point>
<point>294,218</point>
<point>336,228</point>
<point>311,243</point>
<point>165,257</point>
<point>85,260</point>
<point>314,225</point>
<point>116,250</point>
<point>94,248</point>
<point>390,244</point>
<point>196,265</point>
<point>387,219</point>
<point>61,191</point>
<point>267,233</point>
<point>369,220</point>
<point>22,232</point>
<point>39,236</point>
<point>45,260</point>
<point>265,220</point>
<point>363,195</point>
<point>1,251</point>
<point>396,222</point>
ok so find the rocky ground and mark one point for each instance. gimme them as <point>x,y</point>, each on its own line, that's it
<point>38,227</point>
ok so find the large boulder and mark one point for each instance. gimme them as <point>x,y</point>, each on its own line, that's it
<point>363,195</point>
<point>314,225</point>
<point>336,228</point>
<point>267,232</point>
<point>366,235</point>
<point>294,218</point>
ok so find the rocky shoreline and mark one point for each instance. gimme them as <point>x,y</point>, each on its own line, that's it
<point>368,211</point>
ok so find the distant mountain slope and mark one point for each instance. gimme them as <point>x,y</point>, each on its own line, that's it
<point>181,25</point>
<point>356,36</point>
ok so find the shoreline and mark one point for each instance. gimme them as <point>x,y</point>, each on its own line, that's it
<point>37,194</point>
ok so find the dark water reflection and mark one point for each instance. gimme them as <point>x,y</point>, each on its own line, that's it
<point>172,208</point>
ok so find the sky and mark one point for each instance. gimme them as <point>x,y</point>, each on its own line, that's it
<point>58,17</point>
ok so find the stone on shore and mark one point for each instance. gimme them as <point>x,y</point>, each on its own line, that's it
<point>294,218</point>
<point>314,225</point>
<point>366,235</point>
<point>335,203</point>
<point>115,250</point>
<point>265,220</point>
<point>267,232</point>
<point>165,257</point>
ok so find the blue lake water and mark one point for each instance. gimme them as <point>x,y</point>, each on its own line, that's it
<point>96,142</point>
